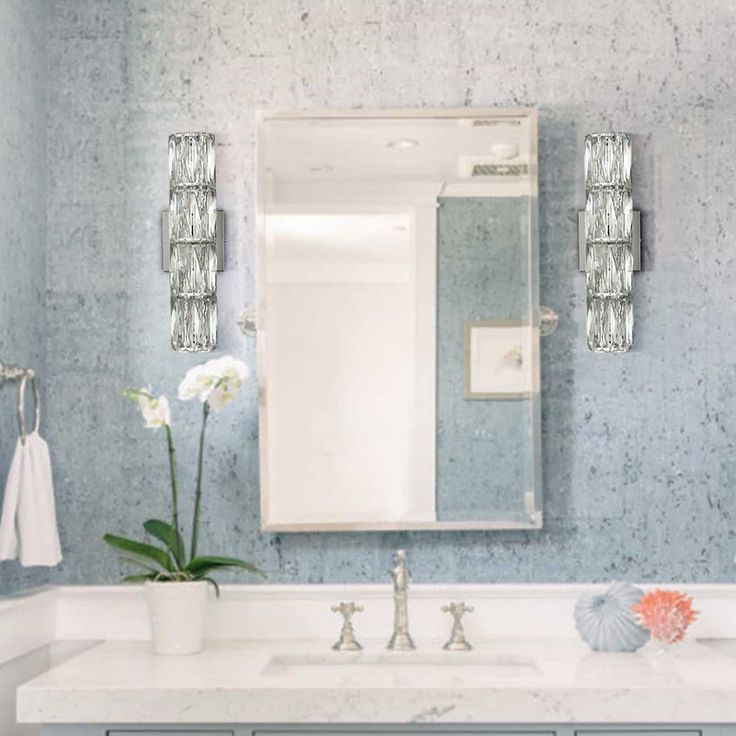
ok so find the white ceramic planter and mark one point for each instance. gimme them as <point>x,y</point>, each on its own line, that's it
<point>177,613</point>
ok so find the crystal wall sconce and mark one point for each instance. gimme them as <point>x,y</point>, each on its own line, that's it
<point>193,241</point>
<point>609,242</point>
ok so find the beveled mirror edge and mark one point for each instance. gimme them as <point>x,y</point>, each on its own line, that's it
<point>534,518</point>
<point>532,522</point>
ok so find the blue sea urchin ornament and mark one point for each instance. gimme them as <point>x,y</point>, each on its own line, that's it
<point>606,622</point>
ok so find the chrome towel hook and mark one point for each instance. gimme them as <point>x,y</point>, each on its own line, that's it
<point>22,376</point>
<point>21,405</point>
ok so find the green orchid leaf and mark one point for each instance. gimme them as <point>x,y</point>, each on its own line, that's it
<point>138,578</point>
<point>200,566</point>
<point>166,533</point>
<point>142,562</point>
<point>139,549</point>
<point>214,584</point>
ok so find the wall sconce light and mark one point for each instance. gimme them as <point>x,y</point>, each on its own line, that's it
<point>193,241</point>
<point>609,240</point>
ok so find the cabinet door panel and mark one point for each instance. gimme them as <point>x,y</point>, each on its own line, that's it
<point>168,732</point>
<point>458,731</point>
<point>638,732</point>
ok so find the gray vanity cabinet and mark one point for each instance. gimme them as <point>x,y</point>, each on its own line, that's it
<point>396,730</point>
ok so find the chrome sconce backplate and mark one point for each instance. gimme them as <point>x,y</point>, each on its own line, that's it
<point>609,242</point>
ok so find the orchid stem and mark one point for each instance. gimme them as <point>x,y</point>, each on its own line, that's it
<point>198,493</point>
<point>172,472</point>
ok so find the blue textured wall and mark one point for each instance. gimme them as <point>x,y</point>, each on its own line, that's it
<point>639,463</point>
<point>22,222</point>
<point>485,452</point>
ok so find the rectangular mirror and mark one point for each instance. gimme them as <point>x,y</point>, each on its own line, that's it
<point>398,320</point>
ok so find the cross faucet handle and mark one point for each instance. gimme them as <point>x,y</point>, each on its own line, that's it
<point>457,610</point>
<point>347,641</point>
<point>347,609</point>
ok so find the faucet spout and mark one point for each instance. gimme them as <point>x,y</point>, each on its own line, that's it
<point>401,639</point>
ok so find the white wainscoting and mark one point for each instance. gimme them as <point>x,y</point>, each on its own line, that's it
<point>303,611</point>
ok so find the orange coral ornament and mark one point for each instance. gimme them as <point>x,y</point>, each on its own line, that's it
<point>666,613</point>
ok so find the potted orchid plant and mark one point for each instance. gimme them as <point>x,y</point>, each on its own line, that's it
<point>177,576</point>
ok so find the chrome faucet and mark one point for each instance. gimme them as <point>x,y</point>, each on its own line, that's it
<point>401,639</point>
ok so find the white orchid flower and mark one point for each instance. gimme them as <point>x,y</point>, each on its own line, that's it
<point>197,383</point>
<point>217,382</point>
<point>155,410</point>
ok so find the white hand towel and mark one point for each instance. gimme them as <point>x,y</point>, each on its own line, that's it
<point>28,524</point>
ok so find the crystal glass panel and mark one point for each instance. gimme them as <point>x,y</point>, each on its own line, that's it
<point>192,269</point>
<point>194,323</point>
<point>609,215</point>
<point>610,324</point>
<point>192,214</point>
<point>609,268</point>
<point>192,159</point>
<point>192,223</point>
<point>608,160</point>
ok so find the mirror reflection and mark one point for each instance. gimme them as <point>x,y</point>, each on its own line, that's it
<point>398,329</point>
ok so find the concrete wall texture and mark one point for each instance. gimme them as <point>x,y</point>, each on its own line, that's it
<point>22,223</point>
<point>639,466</point>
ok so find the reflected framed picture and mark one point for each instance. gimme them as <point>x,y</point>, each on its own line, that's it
<point>498,360</point>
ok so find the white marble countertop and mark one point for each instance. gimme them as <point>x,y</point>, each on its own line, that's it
<point>501,681</point>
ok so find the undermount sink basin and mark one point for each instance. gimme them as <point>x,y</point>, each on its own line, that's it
<point>412,666</point>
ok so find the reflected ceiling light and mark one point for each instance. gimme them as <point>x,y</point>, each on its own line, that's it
<point>331,227</point>
<point>488,122</point>
<point>609,242</point>
<point>479,167</point>
<point>401,143</point>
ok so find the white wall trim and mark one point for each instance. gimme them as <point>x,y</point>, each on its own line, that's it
<point>79,613</point>
<point>27,622</point>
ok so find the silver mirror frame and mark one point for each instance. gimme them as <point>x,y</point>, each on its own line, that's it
<point>254,324</point>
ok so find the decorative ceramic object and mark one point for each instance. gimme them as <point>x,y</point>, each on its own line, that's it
<point>607,622</point>
<point>177,613</point>
<point>666,613</point>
